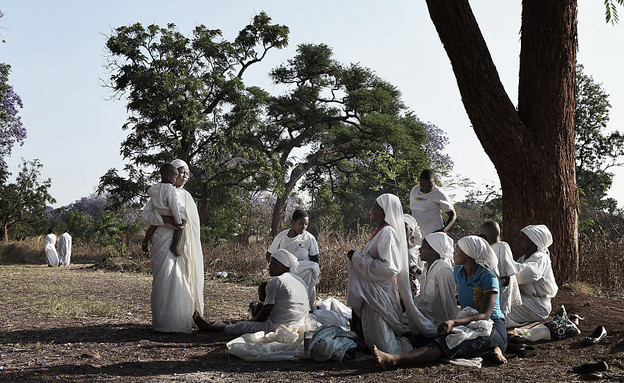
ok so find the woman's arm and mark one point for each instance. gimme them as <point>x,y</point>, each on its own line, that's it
<point>488,301</point>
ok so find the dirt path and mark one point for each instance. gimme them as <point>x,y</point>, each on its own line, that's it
<point>79,325</point>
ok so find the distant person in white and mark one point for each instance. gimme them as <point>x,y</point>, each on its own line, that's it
<point>65,248</point>
<point>284,302</point>
<point>535,277</point>
<point>300,243</point>
<point>50,249</point>
<point>426,204</point>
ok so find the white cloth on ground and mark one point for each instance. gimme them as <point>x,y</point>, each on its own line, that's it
<point>302,246</point>
<point>285,343</point>
<point>507,267</point>
<point>65,248</point>
<point>426,208</point>
<point>331,342</point>
<point>378,276</point>
<point>437,296</point>
<point>50,250</point>
<point>472,330</point>
<point>164,198</point>
<point>178,282</point>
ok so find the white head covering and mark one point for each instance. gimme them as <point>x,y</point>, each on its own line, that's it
<point>442,244</point>
<point>416,233</point>
<point>540,236</point>
<point>395,217</point>
<point>410,221</point>
<point>286,259</point>
<point>480,250</point>
<point>178,163</point>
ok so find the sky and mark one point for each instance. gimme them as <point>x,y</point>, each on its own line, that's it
<point>58,58</point>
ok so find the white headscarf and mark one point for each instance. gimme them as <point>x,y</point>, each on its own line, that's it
<point>287,259</point>
<point>178,163</point>
<point>480,250</point>
<point>540,236</point>
<point>395,217</point>
<point>442,244</point>
<point>411,222</point>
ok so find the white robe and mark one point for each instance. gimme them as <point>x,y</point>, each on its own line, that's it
<point>437,299</point>
<point>537,287</point>
<point>65,248</point>
<point>509,295</point>
<point>50,250</point>
<point>178,282</point>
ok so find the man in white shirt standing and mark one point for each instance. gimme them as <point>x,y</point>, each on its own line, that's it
<point>427,202</point>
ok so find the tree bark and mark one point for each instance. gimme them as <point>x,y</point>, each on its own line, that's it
<point>532,148</point>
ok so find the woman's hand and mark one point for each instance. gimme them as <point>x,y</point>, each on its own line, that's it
<point>350,254</point>
<point>445,327</point>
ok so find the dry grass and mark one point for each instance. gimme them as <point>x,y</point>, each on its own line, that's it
<point>602,266</point>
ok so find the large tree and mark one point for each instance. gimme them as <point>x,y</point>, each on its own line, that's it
<point>179,90</point>
<point>333,113</point>
<point>11,129</point>
<point>531,145</point>
<point>25,199</point>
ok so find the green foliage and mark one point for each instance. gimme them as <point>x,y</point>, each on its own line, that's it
<point>25,199</point>
<point>611,13</point>
<point>117,233</point>
<point>180,90</point>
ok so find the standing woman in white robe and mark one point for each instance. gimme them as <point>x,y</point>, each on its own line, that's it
<point>379,282</point>
<point>64,248</point>
<point>50,249</point>
<point>178,282</point>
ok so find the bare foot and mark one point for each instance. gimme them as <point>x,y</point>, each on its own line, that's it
<point>497,356</point>
<point>385,360</point>
<point>200,322</point>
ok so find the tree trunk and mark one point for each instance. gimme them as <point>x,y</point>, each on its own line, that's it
<point>532,148</point>
<point>279,210</point>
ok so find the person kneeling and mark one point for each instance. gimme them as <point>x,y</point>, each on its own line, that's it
<point>285,301</point>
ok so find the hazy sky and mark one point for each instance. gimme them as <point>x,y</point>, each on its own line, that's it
<point>57,54</point>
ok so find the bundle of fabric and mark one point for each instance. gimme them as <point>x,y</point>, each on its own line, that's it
<point>332,342</point>
<point>286,343</point>
<point>472,330</point>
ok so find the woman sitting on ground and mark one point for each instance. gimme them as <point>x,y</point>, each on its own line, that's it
<point>300,243</point>
<point>376,274</point>
<point>437,295</point>
<point>285,301</point>
<point>477,287</point>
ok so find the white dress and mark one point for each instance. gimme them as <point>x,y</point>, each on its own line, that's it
<point>437,299</point>
<point>372,292</point>
<point>426,208</point>
<point>178,282</point>
<point>537,287</point>
<point>509,295</point>
<point>164,199</point>
<point>65,248</point>
<point>50,250</point>
<point>302,246</point>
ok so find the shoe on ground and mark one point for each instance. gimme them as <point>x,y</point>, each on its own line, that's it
<point>595,337</point>
<point>591,367</point>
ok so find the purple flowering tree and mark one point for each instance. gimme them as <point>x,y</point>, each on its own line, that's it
<point>11,129</point>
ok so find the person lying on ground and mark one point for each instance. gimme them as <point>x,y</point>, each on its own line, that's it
<point>285,303</point>
<point>437,295</point>
<point>300,243</point>
<point>477,287</point>
<point>535,277</point>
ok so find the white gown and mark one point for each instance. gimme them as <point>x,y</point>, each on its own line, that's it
<point>178,282</point>
<point>65,248</point>
<point>50,250</point>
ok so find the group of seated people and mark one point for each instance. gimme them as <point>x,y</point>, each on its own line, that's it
<point>408,314</point>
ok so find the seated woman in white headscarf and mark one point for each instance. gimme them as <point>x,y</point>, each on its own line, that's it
<point>477,287</point>
<point>379,282</point>
<point>285,301</point>
<point>300,243</point>
<point>437,293</point>
<point>535,277</point>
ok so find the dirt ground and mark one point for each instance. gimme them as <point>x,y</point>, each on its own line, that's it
<point>77,324</point>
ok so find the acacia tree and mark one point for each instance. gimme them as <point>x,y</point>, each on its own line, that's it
<point>531,145</point>
<point>335,112</point>
<point>24,199</point>
<point>179,90</point>
<point>11,129</point>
